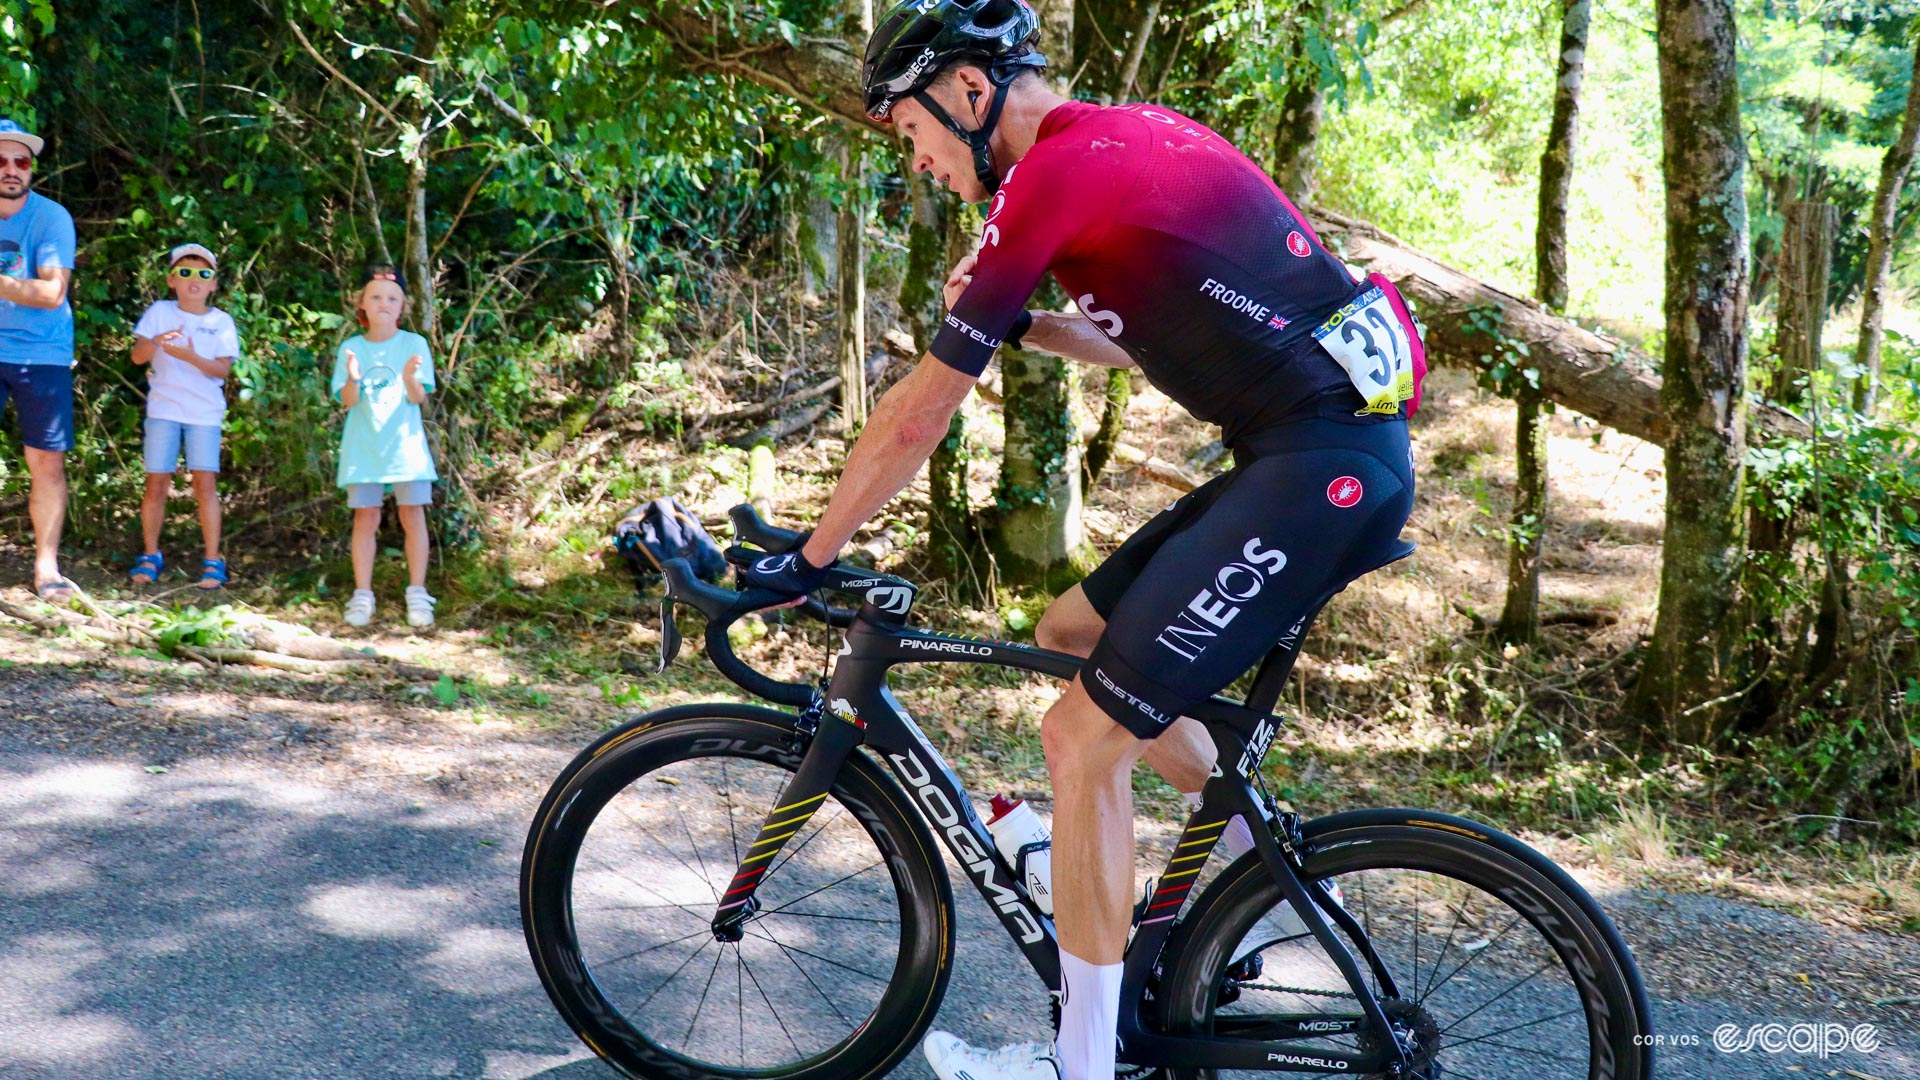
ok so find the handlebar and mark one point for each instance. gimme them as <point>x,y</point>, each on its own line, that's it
<point>886,599</point>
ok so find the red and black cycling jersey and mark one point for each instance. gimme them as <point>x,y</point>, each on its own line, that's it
<point>1179,249</point>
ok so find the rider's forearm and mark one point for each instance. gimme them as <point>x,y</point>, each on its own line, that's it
<point>906,425</point>
<point>1073,337</point>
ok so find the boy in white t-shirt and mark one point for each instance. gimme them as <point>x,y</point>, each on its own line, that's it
<point>192,346</point>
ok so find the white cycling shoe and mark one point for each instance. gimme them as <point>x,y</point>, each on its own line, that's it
<point>953,1059</point>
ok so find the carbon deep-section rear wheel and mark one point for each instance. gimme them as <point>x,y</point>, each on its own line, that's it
<point>1506,968</point>
<point>836,975</point>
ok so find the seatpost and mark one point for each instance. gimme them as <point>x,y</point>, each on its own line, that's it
<point>1272,676</point>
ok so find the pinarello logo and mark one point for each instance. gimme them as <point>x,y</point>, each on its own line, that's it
<point>1345,492</point>
<point>1297,244</point>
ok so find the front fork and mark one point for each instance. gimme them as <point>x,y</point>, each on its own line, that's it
<point>825,738</point>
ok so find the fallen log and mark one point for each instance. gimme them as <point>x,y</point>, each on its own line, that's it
<point>1603,378</point>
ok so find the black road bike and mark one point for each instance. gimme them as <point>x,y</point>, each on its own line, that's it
<point>729,891</point>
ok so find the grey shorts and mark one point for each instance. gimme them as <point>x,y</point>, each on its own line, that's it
<point>405,493</point>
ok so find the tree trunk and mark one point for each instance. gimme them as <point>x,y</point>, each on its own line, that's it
<point>1037,534</point>
<point>419,265</point>
<point>1601,377</point>
<point>1806,264</point>
<point>1113,417</point>
<point>1136,49</point>
<point>1520,619</point>
<point>1557,162</point>
<point>1703,392</point>
<point>851,296</point>
<point>1113,411</point>
<point>953,531</point>
<point>1873,293</point>
<point>1296,135</point>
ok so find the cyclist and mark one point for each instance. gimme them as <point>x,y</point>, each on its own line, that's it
<point>1185,260</point>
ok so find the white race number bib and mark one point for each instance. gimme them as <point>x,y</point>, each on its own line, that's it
<point>1367,338</point>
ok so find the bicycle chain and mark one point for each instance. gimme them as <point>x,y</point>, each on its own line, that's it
<point>1303,991</point>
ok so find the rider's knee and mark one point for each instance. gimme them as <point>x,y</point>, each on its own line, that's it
<point>1069,625</point>
<point>1079,737</point>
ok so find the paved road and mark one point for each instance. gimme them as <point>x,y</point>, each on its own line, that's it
<point>234,919</point>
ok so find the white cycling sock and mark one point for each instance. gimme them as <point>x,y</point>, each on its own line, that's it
<point>1089,1017</point>
<point>1236,838</point>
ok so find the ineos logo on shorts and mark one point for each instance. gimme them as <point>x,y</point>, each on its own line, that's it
<point>1107,321</point>
<point>1297,244</point>
<point>1345,492</point>
<point>1207,613</point>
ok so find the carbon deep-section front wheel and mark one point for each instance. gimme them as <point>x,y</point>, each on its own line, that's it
<point>1506,969</point>
<point>835,976</point>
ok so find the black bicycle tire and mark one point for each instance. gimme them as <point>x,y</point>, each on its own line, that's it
<point>912,997</point>
<point>1350,839</point>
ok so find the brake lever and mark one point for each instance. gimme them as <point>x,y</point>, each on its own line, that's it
<point>669,634</point>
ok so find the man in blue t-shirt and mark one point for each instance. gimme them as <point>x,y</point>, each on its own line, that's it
<point>36,343</point>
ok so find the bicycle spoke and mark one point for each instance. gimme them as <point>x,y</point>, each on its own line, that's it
<point>762,935</point>
<point>777,1018</point>
<point>1517,985</point>
<point>733,834</point>
<point>651,948</point>
<point>1444,946</point>
<point>1534,1050</point>
<point>676,972</point>
<point>705,874</point>
<point>717,954</point>
<point>655,837</point>
<point>1459,1041</point>
<point>821,889</point>
<point>819,915</point>
<point>1475,955</point>
<point>638,884</point>
<point>788,953</point>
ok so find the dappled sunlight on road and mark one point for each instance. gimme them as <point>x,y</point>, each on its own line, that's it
<point>221,919</point>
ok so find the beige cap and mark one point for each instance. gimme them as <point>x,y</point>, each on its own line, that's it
<point>185,250</point>
<point>12,132</point>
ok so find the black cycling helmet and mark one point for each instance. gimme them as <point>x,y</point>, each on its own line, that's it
<point>919,38</point>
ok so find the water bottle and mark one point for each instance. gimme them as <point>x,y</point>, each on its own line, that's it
<point>1022,837</point>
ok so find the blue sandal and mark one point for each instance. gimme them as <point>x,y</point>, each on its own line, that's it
<point>150,565</point>
<point>213,573</point>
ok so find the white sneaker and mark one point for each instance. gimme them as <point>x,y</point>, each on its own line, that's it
<point>360,608</point>
<point>419,606</point>
<point>953,1059</point>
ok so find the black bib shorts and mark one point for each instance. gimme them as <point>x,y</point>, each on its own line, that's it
<point>1202,592</point>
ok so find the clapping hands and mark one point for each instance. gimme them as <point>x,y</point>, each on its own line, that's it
<point>353,367</point>
<point>413,367</point>
<point>174,344</point>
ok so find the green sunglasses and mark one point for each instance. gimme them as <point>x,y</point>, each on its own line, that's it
<point>200,272</point>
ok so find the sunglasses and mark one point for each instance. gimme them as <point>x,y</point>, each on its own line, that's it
<point>23,163</point>
<point>200,272</point>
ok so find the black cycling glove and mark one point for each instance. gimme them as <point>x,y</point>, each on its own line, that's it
<point>790,574</point>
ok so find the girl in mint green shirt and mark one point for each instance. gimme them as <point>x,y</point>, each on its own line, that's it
<point>383,375</point>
